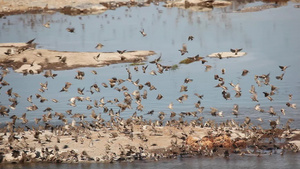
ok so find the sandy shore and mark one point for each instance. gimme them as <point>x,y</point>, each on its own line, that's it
<point>77,7</point>
<point>135,139</point>
<point>26,58</point>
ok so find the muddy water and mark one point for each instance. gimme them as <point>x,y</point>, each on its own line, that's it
<point>269,37</point>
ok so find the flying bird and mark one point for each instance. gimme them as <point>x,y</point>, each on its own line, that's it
<point>235,51</point>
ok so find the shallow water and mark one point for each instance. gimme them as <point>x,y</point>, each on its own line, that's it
<point>270,38</point>
<point>275,161</point>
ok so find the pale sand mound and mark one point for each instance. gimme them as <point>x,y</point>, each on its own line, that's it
<point>226,55</point>
<point>25,57</point>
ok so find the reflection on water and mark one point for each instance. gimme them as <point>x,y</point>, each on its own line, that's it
<point>275,161</point>
<point>269,37</point>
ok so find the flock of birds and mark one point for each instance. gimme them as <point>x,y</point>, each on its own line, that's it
<point>132,100</point>
<point>138,95</point>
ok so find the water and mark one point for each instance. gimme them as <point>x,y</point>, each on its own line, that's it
<point>269,37</point>
<point>275,161</point>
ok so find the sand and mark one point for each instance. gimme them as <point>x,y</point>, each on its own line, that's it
<point>129,141</point>
<point>226,55</point>
<point>39,59</point>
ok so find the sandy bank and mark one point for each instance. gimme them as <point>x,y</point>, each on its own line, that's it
<point>126,140</point>
<point>25,57</point>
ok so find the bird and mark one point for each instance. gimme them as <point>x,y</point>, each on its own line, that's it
<point>223,71</point>
<point>30,41</point>
<point>155,60</point>
<point>9,52</point>
<point>245,72</point>
<point>183,50</point>
<point>207,68</point>
<point>71,30</point>
<point>190,38</point>
<point>219,55</point>
<point>188,80</point>
<point>280,77</point>
<point>282,111</point>
<point>283,68</point>
<point>183,88</point>
<point>159,96</point>
<point>293,105</point>
<point>271,111</point>
<point>235,51</point>
<point>99,46</point>
<point>143,32</point>
<point>144,68</point>
<point>47,25</point>
<point>121,51</point>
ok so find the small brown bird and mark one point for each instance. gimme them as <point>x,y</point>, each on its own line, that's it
<point>71,30</point>
<point>184,49</point>
<point>30,42</point>
<point>183,88</point>
<point>235,51</point>
<point>283,68</point>
<point>207,68</point>
<point>121,51</point>
<point>159,96</point>
<point>99,46</point>
<point>190,38</point>
<point>280,77</point>
<point>245,72</point>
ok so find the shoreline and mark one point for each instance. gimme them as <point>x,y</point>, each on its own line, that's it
<point>133,139</point>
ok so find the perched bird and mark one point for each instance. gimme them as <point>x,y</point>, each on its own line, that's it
<point>235,51</point>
